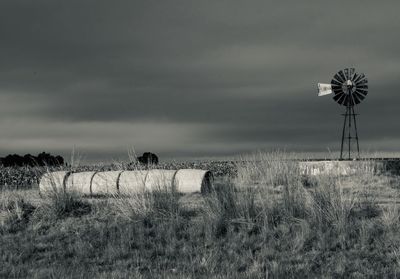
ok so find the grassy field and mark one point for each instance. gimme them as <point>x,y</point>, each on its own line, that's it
<point>265,221</point>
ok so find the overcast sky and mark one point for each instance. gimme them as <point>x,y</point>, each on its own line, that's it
<point>192,78</point>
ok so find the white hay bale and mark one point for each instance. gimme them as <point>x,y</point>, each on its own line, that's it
<point>80,182</point>
<point>160,179</point>
<point>131,182</point>
<point>192,180</point>
<point>127,182</point>
<point>52,182</point>
<point>105,183</point>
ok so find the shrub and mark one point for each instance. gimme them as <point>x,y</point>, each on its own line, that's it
<point>148,158</point>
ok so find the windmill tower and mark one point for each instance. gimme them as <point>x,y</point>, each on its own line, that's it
<point>349,89</point>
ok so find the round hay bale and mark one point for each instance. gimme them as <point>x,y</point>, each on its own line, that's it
<point>192,180</point>
<point>131,182</point>
<point>160,179</point>
<point>104,183</point>
<point>53,182</point>
<point>80,182</point>
<point>127,182</point>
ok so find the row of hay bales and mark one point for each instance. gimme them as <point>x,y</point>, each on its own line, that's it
<point>126,182</point>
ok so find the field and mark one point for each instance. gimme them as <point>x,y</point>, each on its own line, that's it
<point>263,220</point>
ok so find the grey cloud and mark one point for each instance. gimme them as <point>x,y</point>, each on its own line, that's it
<point>245,70</point>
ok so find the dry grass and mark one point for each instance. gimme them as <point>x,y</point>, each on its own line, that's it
<point>262,224</point>
<point>160,202</point>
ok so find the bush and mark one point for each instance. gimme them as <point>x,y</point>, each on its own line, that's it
<point>148,158</point>
<point>42,159</point>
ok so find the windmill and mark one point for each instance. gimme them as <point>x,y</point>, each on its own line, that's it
<point>350,88</point>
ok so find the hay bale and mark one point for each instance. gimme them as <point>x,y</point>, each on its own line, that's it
<point>104,183</point>
<point>53,182</point>
<point>80,182</point>
<point>192,180</point>
<point>128,182</point>
<point>132,182</point>
<point>160,179</point>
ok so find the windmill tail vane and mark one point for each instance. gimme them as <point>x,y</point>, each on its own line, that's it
<point>349,88</point>
<point>324,89</point>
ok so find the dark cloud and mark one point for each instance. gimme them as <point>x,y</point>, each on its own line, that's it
<point>211,77</point>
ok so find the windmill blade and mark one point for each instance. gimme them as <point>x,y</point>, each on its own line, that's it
<point>337,90</point>
<point>355,77</point>
<point>345,100</point>
<point>338,78</point>
<point>338,96</point>
<point>341,74</point>
<point>361,91</point>
<point>359,96</point>
<point>364,87</point>
<point>335,82</point>
<point>342,99</point>
<point>336,86</point>
<point>356,99</point>
<point>351,73</point>
<point>346,73</point>
<point>364,81</point>
<point>360,77</point>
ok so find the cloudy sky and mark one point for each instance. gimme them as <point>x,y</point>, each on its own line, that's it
<point>191,79</point>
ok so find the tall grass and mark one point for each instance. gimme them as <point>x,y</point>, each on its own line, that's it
<point>266,169</point>
<point>264,223</point>
<point>57,203</point>
<point>273,185</point>
<point>144,203</point>
<point>15,212</point>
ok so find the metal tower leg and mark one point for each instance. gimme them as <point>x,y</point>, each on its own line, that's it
<point>349,116</point>
<point>344,129</point>
<point>355,128</point>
